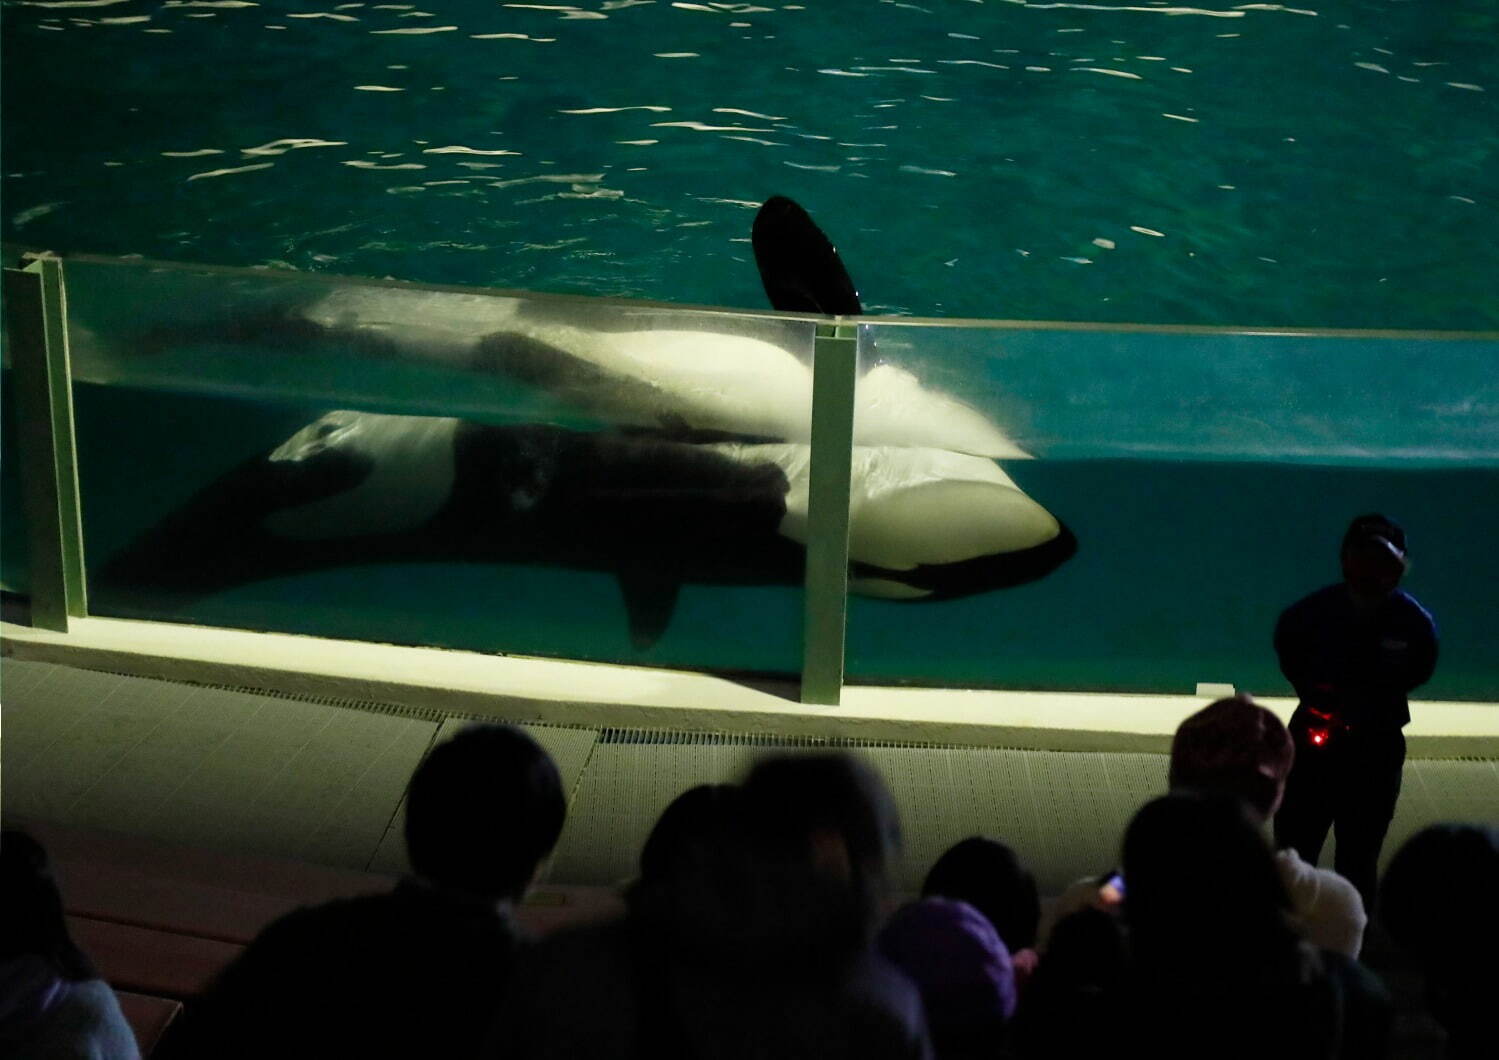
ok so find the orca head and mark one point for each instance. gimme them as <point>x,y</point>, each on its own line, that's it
<point>929,524</point>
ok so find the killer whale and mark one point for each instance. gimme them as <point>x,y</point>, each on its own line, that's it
<point>357,488</point>
<point>701,479</point>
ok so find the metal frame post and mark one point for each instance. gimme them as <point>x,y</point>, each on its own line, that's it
<point>36,318</point>
<point>834,370</point>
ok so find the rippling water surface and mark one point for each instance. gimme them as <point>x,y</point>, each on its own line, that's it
<point>1331,164</point>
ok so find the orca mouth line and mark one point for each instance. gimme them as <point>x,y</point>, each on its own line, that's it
<point>1006,570</point>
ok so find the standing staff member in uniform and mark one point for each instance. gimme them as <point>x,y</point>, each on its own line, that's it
<point>1352,651</point>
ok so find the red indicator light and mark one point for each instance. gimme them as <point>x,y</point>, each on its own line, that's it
<point>1319,737</point>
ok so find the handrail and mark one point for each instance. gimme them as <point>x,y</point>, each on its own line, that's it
<point>11,251</point>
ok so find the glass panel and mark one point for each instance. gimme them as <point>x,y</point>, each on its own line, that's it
<point>15,547</point>
<point>375,461</point>
<point>1207,478</point>
<point>15,543</point>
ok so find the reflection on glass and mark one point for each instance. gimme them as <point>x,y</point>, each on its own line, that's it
<point>1081,393</point>
<point>607,459</point>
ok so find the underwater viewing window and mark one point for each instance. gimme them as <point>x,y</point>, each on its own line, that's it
<point>1030,505</point>
<point>1206,475</point>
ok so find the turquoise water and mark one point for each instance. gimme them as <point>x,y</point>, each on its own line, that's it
<point>1229,165</point>
<point>1311,164</point>
<point>1181,572</point>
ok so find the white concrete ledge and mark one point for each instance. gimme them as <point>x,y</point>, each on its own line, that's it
<point>592,694</point>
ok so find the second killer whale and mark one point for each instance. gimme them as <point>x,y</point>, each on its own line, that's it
<point>656,506</point>
<point>693,374</point>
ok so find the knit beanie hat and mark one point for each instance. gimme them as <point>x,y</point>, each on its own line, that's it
<point>962,969</point>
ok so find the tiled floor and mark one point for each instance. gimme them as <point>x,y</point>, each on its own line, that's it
<point>267,775</point>
<point>623,791</point>
<point>203,766</point>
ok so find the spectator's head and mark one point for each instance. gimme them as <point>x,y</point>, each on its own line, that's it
<point>822,830</point>
<point>693,885</point>
<point>1373,557</point>
<point>830,808</point>
<point>1437,899</point>
<point>1074,1003</point>
<point>483,809</point>
<point>1438,894</point>
<point>1202,888</point>
<point>988,876</point>
<point>31,912</point>
<point>1086,949</point>
<point>688,830</point>
<point>1234,747</point>
<point>956,959</point>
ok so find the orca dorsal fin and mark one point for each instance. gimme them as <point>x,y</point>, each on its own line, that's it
<point>798,264</point>
<point>650,600</point>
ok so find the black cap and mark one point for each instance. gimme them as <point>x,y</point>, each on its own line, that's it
<point>1375,527</point>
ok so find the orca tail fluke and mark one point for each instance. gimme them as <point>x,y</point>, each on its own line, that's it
<point>798,264</point>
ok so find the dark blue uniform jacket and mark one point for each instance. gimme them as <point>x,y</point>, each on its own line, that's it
<point>1357,665</point>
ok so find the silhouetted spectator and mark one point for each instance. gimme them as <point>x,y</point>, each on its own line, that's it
<point>1216,966</point>
<point>748,935</point>
<point>1438,901</point>
<point>1236,747</point>
<point>53,1005</point>
<point>962,969</point>
<point>823,830</point>
<point>1075,1004</point>
<point>1353,651</point>
<point>693,858</point>
<point>418,971</point>
<point>688,828</point>
<point>988,876</point>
